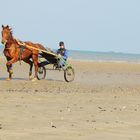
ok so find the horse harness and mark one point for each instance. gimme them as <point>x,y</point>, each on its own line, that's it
<point>21,47</point>
<point>21,52</point>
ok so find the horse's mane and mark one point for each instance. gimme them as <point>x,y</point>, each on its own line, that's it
<point>10,30</point>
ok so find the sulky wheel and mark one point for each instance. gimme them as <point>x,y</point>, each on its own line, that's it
<point>41,73</point>
<point>69,74</point>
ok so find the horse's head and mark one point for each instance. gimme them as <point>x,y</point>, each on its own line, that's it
<point>6,34</point>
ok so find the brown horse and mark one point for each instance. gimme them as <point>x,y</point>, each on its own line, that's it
<point>14,52</point>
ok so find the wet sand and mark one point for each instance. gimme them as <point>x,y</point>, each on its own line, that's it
<point>102,103</point>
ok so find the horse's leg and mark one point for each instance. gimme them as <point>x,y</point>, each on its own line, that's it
<point>28,61</point>
<point>9,69</point>
<point>35,61</point>
<point>9,66</point>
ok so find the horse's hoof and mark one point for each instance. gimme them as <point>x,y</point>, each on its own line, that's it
<point>31,77</point>
<point>34,79</point>
<point>8,79</point>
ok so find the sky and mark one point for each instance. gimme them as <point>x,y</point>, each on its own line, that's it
<point>93,25</point>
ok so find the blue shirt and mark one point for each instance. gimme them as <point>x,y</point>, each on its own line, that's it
<point>65,56</point>
<point>63,53</point>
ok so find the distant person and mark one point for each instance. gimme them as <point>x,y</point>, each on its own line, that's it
<point>62,53</point>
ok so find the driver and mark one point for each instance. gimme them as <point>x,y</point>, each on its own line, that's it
<point>62,53</point>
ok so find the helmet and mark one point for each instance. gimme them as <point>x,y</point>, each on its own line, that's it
<point>61,43</point>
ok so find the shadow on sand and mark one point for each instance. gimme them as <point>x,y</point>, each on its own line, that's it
<point>26,79</point>
<point>14,79</point>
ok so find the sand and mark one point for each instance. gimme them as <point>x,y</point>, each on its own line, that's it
<point>102,103</point>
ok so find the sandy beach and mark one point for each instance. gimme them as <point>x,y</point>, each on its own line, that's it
<point>102,103</point>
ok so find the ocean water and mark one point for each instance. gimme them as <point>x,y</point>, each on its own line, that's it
<point>98,56</point>
<point>104,56</point>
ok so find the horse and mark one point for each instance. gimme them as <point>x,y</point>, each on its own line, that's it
<point>14,52</point>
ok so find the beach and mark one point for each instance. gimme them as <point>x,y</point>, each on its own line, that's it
<point>102,103</point>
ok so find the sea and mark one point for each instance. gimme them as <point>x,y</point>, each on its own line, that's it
<point>104,56</point>
<point>98,56</point>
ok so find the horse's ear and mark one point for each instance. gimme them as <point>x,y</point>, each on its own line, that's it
<point>7,26</point>
<point>2,26</point>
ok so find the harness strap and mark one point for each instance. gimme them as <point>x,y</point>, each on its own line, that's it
<point>31,47</point>
<point>20,53</point>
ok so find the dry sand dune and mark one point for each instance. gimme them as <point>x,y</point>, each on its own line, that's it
<point>103,103</point>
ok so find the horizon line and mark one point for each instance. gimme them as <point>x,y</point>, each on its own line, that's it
<point>116,52</point>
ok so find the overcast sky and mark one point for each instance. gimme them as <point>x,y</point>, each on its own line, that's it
<point>96,25</point>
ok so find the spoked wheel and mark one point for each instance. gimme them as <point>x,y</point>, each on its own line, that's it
<point>41,73</point>
<point>69,74</point>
